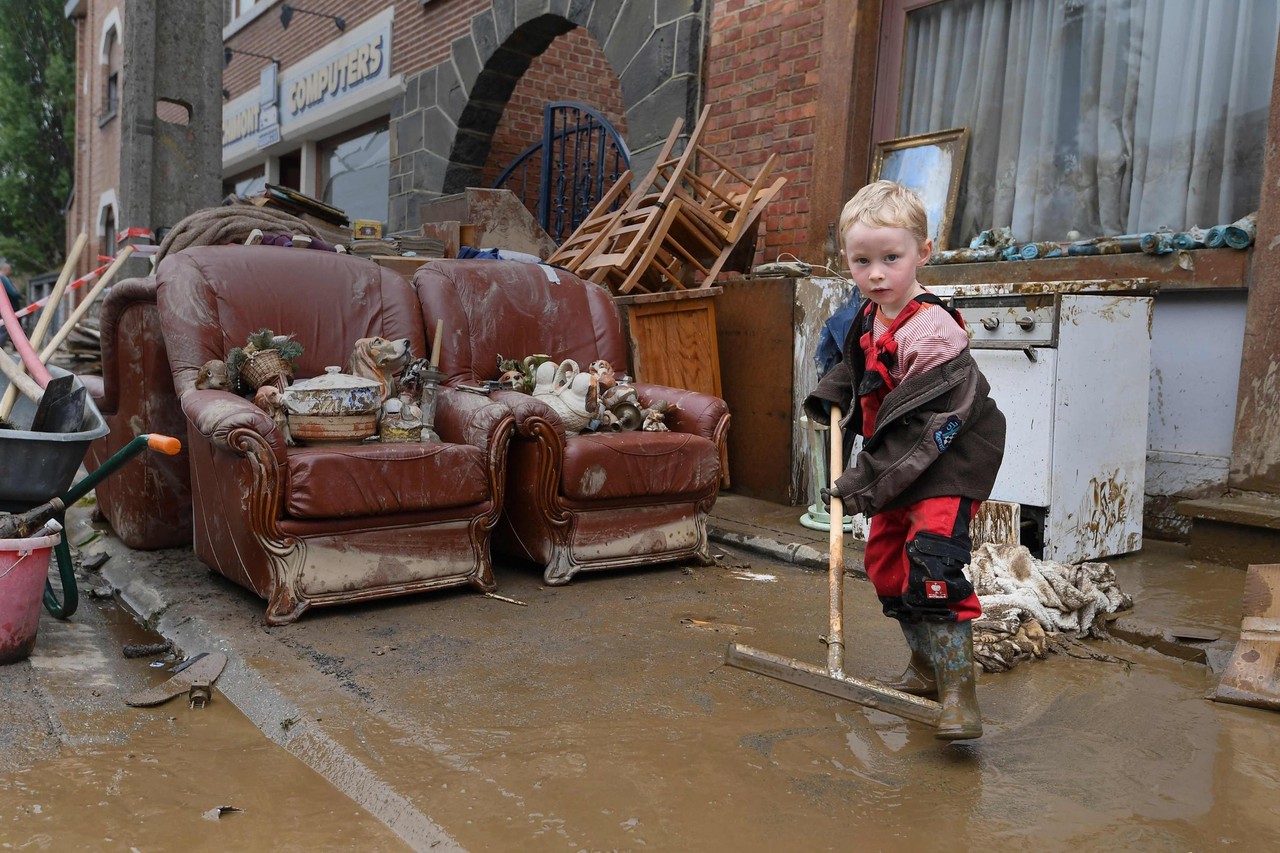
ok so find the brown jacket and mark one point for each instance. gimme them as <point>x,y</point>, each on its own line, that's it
<point>935,434</point>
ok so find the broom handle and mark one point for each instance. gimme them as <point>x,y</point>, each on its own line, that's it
<point>46,316</point>
<point>835,567</point>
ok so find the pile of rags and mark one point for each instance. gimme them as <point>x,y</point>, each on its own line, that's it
<point>1029,606</point>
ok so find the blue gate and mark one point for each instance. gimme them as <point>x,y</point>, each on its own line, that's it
<point>562,176</point>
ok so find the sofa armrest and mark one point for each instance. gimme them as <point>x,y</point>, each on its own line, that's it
<point>694,412</point>
<point>466,418</point>
<point>530,413</point>
<point>216,414</point>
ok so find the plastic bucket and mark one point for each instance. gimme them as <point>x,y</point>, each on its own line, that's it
<point>24,568</point>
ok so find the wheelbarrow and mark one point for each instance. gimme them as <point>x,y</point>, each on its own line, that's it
<point>36,470</point>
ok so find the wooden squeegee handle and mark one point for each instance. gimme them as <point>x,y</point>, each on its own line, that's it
<point>835,566</point>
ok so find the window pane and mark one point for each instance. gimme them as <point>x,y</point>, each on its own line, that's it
<point>1100,116</point>
<point>356,173</point>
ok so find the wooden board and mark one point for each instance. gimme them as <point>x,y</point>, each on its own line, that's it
<point>674,343</point>
<point>1253,675</point>
<point>755,332</point>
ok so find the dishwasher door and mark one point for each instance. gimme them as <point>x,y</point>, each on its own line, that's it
<point>1024,391</point>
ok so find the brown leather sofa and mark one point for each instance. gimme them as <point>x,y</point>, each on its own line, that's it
<point>148,501</point>
<point>578,502</point>
<point>329,523</point>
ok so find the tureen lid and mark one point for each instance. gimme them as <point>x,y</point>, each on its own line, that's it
<point>333,379</point>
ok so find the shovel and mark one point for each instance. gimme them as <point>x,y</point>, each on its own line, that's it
<point>60,406</point>
<point>833,680</point>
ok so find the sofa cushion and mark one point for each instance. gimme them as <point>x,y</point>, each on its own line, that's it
<point>343,480</point>
<point>638,464</point>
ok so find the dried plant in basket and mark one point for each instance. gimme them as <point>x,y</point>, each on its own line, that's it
<point>267,358</point>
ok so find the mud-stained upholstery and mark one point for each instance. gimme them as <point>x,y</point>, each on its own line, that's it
<point>328,523</point>
<point>589,501</point>
<point>148,500</point>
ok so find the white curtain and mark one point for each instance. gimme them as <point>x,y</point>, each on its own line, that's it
<point>1101,116</point>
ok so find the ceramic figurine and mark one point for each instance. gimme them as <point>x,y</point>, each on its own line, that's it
<point>604,373</point>
<point>655,415</point>
<point>380,359</point>
<point>270,399</point>
<point>401,421</point>
<point>570,393</point>
<point>213,376</point>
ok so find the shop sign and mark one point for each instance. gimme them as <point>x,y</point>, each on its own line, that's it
<point>268,112</point>
<point>339,71</point>
<point>240,125</point>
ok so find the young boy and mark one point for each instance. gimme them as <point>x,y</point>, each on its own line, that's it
<point>933,442</point>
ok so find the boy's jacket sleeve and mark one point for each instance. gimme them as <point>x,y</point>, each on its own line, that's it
<point>834,388</point>
<point>915,426</point>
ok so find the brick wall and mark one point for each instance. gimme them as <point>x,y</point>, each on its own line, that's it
<point>762,83</point>
<point>97,160</point>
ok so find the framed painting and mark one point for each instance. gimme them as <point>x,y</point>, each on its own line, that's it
<point>930,164</point>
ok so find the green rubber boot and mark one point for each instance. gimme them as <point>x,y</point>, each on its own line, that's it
<point>953,662</point>
<point>918,678</point>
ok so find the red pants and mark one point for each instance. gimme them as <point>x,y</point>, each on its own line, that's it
<point>886,556</point>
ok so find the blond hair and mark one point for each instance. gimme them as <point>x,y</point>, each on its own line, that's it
<point>885,204</point>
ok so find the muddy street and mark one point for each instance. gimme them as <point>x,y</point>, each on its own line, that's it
<point>599,715</point>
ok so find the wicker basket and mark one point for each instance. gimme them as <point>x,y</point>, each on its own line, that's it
<point>266,367</point>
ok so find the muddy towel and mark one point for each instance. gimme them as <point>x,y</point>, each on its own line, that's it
<point>1025,601</point>
<point>229,224</point>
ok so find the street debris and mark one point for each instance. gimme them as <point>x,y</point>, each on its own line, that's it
<point>1030,605</point>
<point>146,650</point>
<point>219,811</point>
<point>196,680</point>
<point>95,561</point>
<point>741,574</point>
<point>1251,676</point>
<point>494,595</point>
<point>716,627</point>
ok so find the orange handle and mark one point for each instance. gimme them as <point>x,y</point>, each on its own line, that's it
<point>166,444</point>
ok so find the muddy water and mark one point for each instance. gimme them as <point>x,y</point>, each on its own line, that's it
<point>85,772</point>
<point>601,717</point>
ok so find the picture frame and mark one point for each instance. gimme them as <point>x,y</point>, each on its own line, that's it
<point>931,164</point>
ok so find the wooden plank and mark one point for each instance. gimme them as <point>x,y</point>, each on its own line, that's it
<point>866,693</point>
<point>1253,675</point>
<point>756,336</point>
<point>674,343</point>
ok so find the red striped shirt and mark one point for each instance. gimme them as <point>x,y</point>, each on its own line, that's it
<point>930,338</point>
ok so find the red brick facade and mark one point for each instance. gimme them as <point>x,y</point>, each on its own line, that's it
<point>762,83</point>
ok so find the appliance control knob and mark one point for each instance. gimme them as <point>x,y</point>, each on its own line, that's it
<point>990,323</point>
<point>1026,323</point>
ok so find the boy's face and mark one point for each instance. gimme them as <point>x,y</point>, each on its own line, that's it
<point>883,262</point>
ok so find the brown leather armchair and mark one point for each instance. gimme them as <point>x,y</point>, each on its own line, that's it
<point>329,523</point>
<point>148,501</point>
<point>579,502</point>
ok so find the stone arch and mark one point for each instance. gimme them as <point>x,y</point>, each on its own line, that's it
<point>443,125</point>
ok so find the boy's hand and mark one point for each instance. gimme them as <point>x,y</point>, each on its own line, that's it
<point>828,493</point>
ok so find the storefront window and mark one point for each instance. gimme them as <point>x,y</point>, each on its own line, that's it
<point>1099,116</point>
<point>355,172</point>
<point>247,183</point>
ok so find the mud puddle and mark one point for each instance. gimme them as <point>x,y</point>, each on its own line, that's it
<point>95,774</point>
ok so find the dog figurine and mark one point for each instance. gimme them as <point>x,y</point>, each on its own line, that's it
<point>380,359</point>
<point>270,400</point>
<point>213,376</point>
